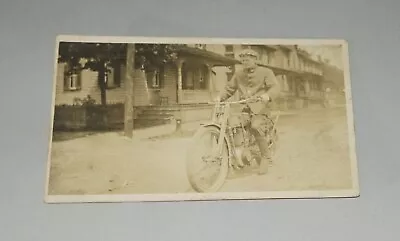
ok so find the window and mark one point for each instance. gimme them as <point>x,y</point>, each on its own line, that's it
<point>319,85</point>
<point>229,48</point>
<point>281,81</point>
<point>72,79</point>
<point>230,55</point>
<point>259,50</point>
<point>291,85</point>
<point>264,56</point>
<point>285,84</point>
<point>264,59</point>
<point>195,77</point>
<point>200,46</point>
<point>155,78</point>
<point>271,58</point>
<point>283,61</point>
<point>203,78</point>
<point>229,51</point>
<point>112,78</point>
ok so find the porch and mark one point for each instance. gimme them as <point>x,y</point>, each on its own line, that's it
<point>298,89</point>
<point>191,83</point>
<point>189,80</point>
<point>180,91</point>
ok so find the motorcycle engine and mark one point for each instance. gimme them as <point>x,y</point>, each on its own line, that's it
<point>239,139</point>
<point>238,136</point>
<point>244,156</point>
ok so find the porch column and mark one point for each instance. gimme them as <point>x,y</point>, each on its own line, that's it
<point>211,83</point>
<point>307,86</point>
<point>179,64</point>
<point>285,89</point>
<point>307,92</point>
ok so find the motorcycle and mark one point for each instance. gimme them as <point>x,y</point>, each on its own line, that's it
<point>231,143</point>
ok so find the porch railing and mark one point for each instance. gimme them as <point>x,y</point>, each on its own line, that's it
<point>196,96</point>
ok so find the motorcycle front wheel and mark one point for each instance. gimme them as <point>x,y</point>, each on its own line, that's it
<point>210,161</point>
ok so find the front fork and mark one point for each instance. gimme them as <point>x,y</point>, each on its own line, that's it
<point>222,133</point>
<point>225,133</point>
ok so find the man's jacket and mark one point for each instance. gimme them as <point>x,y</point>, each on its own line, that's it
<point>256,82</point>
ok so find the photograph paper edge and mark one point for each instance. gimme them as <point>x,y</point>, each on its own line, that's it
<point>350,117</point>
<point>196,40</point>
<point>52,112</point>
<point>348,193</point>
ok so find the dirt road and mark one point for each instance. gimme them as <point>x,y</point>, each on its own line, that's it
<point>313,153</point>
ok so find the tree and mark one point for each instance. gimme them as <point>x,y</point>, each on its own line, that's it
<point>98,57</point>
<point>101,57</point>
<point>153,55</point>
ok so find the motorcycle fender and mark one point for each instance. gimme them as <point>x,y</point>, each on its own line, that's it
<point>211,124</point>
<point>227,140</point>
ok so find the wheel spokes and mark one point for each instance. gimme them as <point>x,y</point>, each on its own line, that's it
<point>210,162</point>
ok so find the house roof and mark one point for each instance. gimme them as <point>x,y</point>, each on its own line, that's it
<point>306,73</point>
<point>286,47</point>
<point>214,58</point>
<point>270,47</point>
<point>278,70</point>
<point>307,56</point>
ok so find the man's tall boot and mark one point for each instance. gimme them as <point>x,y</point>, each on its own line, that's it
<point>264,165</point>
<point>265,155</point>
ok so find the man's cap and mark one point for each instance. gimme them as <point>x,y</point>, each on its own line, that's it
<point>248,52</point>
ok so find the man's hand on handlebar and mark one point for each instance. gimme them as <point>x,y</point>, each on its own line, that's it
<point>255,99</point>
<point>244,99</point>
<point>217,99</point>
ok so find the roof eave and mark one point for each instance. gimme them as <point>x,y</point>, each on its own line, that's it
<point>286,47</point>
<point>214,58</point>
<point>278,70</point>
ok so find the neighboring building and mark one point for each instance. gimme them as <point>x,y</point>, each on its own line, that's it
<point>182,89</point>
<point>334,81</point>
<point>299,75</point>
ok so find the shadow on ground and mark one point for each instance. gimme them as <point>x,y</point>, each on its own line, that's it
<point>176,134</point>
<point>66,136</point>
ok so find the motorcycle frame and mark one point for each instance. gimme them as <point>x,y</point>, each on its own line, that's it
<point>225,131</point>
<point>220,115</point>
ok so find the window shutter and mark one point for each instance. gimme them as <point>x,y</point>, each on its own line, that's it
<point>122,74</point>
<point>149,78</point>
<point>65,69</point>
<point>162,76</point>
<point>79,81</point>
<point>117,75</point>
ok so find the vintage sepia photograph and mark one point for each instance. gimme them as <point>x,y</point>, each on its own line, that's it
<point>177,119</point>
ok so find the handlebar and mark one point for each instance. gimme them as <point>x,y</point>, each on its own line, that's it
<point>235,102</point>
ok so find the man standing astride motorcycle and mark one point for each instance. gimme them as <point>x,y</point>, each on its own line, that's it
<point>256,83</point>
